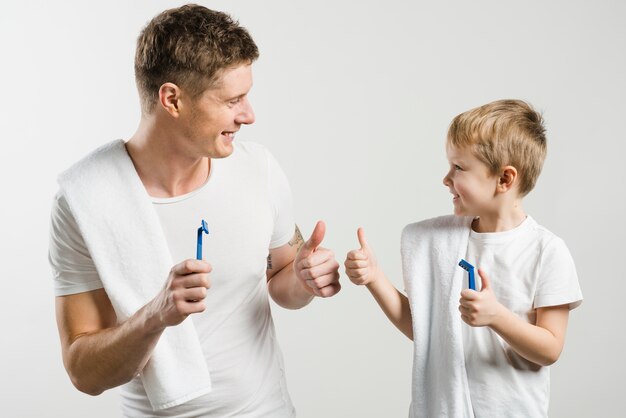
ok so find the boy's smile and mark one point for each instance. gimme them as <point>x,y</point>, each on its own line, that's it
<point>470,182</point>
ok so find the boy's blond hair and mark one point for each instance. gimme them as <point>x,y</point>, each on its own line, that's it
<point>501,133</point>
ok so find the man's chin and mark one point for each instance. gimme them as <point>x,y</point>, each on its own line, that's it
<point>223,151</point>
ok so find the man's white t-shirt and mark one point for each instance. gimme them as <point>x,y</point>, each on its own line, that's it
<point>246,202</point>
<point>529,268</point>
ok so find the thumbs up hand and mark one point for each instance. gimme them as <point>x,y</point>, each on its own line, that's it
<point>480,309</point>
<point>316,266</point>
<point>361,265</point>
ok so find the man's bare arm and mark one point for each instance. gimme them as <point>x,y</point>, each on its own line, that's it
<point>299,270</point>
<point>99,353</point>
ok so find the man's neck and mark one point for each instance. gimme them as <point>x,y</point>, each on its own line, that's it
<point>164,166</point>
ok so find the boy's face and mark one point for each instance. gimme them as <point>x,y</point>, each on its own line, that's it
<point>471,183</point>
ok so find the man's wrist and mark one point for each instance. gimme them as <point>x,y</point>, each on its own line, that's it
<point>150,321</point>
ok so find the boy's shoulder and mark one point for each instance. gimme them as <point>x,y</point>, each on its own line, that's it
<point>547,240</point>
<point>435,228</point>
<point>441,226</point>
<point>438,223</point>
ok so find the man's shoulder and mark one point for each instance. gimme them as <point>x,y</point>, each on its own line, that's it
<point>95,159</point>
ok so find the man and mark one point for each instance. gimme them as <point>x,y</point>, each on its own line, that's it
<point>129,211</point>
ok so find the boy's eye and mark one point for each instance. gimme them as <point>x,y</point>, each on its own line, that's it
<point>457,167</point>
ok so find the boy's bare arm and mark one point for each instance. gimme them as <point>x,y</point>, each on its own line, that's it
<point>541,343</point>
<point>393,303</point>
<point>362,269</point>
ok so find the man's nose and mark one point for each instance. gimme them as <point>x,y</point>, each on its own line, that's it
<point>246,116</point>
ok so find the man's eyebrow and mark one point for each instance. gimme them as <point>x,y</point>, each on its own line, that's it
<point>234,96</point>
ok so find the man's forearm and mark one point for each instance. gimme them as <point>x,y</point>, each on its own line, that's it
<point>111,357</point>
<point>286,290</point>
<point>393,303</point>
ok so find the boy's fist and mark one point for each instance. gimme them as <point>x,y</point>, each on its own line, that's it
<point>480,309</point>
<point>361,265</point>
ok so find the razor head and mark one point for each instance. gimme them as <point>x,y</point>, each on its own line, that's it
<point>204,227</point>
<point>465,265</point>
<point>470,270</point>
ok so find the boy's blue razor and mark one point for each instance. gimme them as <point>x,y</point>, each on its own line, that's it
<point>470,270</point>
<point>203,228</point>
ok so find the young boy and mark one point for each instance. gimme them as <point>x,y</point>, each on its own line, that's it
<point>492,359</point>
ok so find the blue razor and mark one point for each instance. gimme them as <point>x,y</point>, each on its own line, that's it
<point>203,228</point>
<point>470,270</point>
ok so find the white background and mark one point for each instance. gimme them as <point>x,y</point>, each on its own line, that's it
<point>354,99</point>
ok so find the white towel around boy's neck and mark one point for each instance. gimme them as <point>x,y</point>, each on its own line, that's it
<point>431,251</point>
<point>122,232</point>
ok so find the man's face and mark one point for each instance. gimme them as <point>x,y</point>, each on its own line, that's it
<point>470,182</point>
<point>219,112</point>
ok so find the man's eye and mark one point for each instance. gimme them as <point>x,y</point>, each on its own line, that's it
<point>234,101</point>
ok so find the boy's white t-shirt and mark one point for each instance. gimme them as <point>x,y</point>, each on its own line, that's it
<point>246,202</point>
<point>529,268</point>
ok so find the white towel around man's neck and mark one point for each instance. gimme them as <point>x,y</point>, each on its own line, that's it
<point>431,251</point>
<point>122,232</point>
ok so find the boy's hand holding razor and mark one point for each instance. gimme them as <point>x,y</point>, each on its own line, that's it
<point>480,308</point>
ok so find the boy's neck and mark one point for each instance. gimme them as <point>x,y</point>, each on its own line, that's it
<point>500,221</point>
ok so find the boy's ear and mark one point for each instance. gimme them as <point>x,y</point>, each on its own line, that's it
<point>508,177</point>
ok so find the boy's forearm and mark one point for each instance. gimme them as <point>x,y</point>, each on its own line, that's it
<point>532,342</point>
<point>393,303</point>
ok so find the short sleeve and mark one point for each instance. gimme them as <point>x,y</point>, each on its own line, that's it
<point>557,283</point>
<point>72,267</point>
<point>281,202</point>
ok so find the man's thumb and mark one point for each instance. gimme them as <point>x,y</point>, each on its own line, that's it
<point>361,235</point>
<point>315,240</point>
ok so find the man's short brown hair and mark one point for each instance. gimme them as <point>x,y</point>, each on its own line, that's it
<point>188,46</point>
<point>501,133</point>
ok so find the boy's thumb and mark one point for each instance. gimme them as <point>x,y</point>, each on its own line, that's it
<point>485,283</point>
<point>361,235</point>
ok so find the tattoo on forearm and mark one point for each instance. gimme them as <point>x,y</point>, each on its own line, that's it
<point>296,240</point>
<point>269,261</point>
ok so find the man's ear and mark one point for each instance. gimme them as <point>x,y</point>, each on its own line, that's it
<point>508,179</point>
<point>169,98</point>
